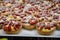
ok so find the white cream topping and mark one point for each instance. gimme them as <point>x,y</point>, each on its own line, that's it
<point>1,21</point>
<point>27,18</point>
<point>46,23</point>
<point>52,23</point>
<point>16,9</point>
<point>14,22</point>
<point>7,8</point>
<point>27,7</point>
<point>46,2</point>
<point>42,25</point>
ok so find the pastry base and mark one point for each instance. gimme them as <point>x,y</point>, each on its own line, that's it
<point>13,32</point>
<point>0,27</point>
<point>58,27</point>
<point>28,26</point>
<point>46,32</point>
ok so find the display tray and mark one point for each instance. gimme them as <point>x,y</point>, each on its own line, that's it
<point>30,33</point>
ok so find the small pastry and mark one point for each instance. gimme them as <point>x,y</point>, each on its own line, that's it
<point>45,28</point>
<point>12,27</point>
<point>29,22</point>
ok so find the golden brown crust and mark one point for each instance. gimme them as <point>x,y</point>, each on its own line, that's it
<point>13,32</point>
<point>28,26</point>
<point>46,31</point>
<point>0,27</point>
<point>58,27</point>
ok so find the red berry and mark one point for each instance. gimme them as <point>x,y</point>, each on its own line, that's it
<point>32,21</point>
<point>5,28</point>
<point>15,28</point>
<point>17,25</point>
<point>9,28</point>
<point>48,28</point>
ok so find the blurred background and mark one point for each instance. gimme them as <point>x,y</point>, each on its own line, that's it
<point>27,38</point>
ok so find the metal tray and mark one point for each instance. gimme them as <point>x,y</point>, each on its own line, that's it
<point>31,33</point>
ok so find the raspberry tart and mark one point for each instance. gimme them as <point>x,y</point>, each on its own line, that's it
<point>45,28</point>
<point>29,22</point>
<point>12,27</point>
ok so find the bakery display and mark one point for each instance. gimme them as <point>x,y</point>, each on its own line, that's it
<point>41,15</point>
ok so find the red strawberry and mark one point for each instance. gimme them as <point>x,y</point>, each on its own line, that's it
<point>48,28</point>
<point>15,28</point>
<point>5,28</point>
<point>32,21</point>
<point>22,6</point>
<point>9,28</point>
<point>38,16</point>
<point>17,25</point>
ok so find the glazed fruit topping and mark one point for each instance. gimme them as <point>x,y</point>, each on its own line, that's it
<point>55,17</point>
<point>1,21</point>
<point>7,28</point>
<point>33,21</point>
<point>26,19</point>
<point>16,25</point>
<point>41,24</point>
<point>52,24</point>
<point>46,25</point>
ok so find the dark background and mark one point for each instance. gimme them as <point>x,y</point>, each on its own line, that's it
<point>28,38</point>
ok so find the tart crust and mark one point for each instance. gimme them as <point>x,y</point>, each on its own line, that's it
<point>58,27</point>
<point>46,31</point>
<point>13,32</point>
<point>28,26</point>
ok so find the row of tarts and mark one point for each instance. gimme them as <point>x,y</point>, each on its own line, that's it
<point>44,16</point>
